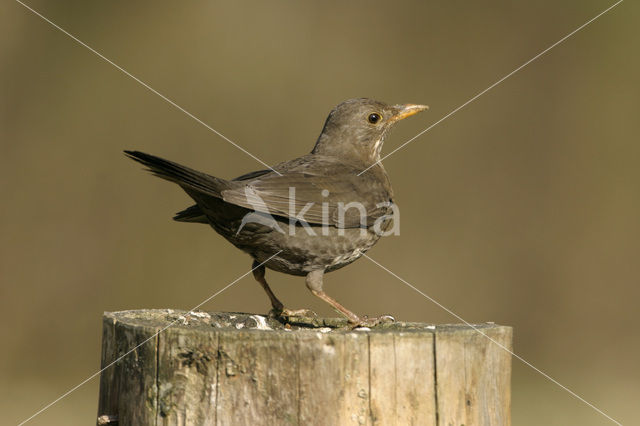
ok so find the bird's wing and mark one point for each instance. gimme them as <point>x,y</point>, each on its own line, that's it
<point>342,198</point>
<point>252,175</point>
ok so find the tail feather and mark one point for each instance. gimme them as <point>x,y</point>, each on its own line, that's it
<point>191,214</point>
<point>183,176</point>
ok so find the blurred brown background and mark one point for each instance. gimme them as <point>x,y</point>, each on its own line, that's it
<point>522,209</point>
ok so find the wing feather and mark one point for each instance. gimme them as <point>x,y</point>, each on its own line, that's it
<point>308,191</point>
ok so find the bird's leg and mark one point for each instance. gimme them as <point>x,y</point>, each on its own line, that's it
<point>278,307</point>
<point>314,283</point>
<point>258,274</point>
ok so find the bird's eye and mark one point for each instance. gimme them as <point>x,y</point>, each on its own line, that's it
<point>374,118</point>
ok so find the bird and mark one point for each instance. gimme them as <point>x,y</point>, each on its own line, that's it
<point>308,216</point>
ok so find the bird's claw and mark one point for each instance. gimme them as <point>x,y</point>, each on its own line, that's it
<point>372,322</point>
<point>292,313</point>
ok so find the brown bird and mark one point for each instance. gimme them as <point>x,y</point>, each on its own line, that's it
<point>308,216</point>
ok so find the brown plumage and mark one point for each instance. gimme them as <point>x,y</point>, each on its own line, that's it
<point>258,212</point>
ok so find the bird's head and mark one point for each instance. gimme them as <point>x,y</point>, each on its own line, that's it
<point>356,128</point>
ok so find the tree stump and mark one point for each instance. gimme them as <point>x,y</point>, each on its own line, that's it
<point>242,369</point>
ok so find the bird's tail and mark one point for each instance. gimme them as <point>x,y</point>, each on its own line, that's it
<point>192,214</point>
<point>183,176</point>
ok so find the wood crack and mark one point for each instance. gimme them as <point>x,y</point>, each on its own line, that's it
<point>157,376</point>
<point>435,378</point>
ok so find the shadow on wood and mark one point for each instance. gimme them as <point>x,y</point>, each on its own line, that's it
<point>241,369</point>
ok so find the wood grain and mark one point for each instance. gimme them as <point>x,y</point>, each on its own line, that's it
<point>239,369</point>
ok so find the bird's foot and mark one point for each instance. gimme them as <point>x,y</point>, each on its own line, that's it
<point>292,313</point>
<point>365,321</point>
<point>298,313</point>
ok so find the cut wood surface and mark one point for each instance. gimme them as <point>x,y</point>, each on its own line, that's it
<point>209,368</point>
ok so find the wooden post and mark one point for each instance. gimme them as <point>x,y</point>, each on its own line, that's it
<point>241,369</point>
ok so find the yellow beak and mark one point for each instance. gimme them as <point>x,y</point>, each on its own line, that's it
<point>408,110</point>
